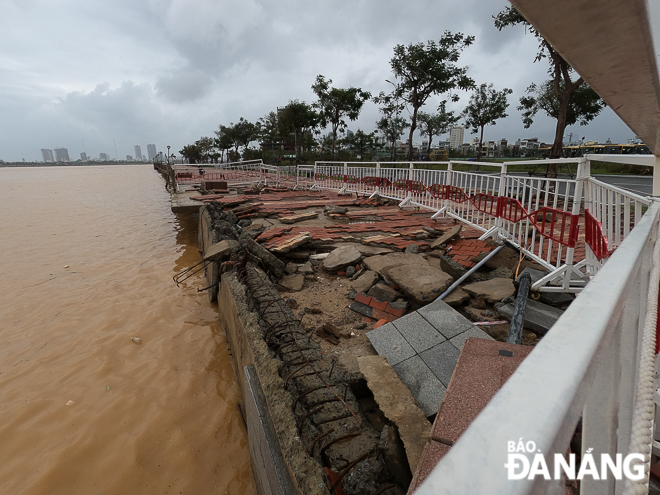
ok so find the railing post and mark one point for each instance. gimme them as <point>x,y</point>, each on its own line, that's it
<point>582,176</point>
<point>501,192</point>
<point>377,175</point>
<point>656,176</point>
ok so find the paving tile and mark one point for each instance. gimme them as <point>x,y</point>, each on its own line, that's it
<point>425,387</point>
<point>419,333</point>
<point>390,343</point>
<point>441,360</point>
<point>460,339</point>
<point>445,319</point>
<point>433,452</point>
<point>479,374</point>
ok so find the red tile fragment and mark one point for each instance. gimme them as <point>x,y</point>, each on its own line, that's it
<point>362,298</point>
<point>382,315</point>
<point>379,323</point>
<point>393,311</point>
<point>380,306</point>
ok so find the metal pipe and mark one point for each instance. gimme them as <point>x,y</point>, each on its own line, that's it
<point>518,318</point>
<point>470,272</point>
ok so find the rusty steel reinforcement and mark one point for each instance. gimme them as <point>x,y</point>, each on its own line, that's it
<point>328,417</point>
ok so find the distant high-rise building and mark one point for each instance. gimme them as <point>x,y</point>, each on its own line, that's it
<point>138,153</point>
<point>456,135</point>
<point>129,158</point>
<point>62,155</point>
<point>151,151</point>
<point>47,155</point>
<point>104,157</point>
<point>83,156</point>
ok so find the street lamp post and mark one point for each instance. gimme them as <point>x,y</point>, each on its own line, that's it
<point>168,155</point>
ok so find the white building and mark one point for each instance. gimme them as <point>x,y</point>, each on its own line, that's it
<point>456,135</point>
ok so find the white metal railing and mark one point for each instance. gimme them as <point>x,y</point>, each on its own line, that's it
<point>542,216</point>
<point>593,374</point>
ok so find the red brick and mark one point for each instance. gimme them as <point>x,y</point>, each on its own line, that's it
<point>380,306</point>
<point>363,298</point>
<point>382,315</point>
<point>379,323</point>
<point>341,274</point>
<point>395,312</point>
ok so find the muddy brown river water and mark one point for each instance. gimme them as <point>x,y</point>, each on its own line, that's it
<point>155,418</point>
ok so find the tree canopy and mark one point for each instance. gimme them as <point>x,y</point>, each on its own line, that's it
<point>486,106</point>
<point>436,124</point>
<point>334,105</point>
<point>422,70</point>
<point>297,118</point>
<point>391,124</point>
<point>362,142</point>
<point>562,84</point>
<point>583,106</point>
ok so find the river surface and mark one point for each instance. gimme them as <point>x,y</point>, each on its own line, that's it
<point>83,409</point>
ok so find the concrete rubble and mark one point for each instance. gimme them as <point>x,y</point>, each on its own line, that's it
<point>362,281</point>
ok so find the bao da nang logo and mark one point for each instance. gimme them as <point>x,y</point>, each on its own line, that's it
<point>526,462</point>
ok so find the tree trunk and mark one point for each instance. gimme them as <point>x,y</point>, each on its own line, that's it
<point>413,126</point>
<point>334,140</point>
<point>430,140</point>
<point>481,140</point>
<point>556,151</point>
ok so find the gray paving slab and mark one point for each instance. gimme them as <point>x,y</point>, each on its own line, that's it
<point>419,333</point>
<point>460,339</point>
<point>425,387</point>
<point>445,319</point>
<point>441,360</point>
<point>390,343</point>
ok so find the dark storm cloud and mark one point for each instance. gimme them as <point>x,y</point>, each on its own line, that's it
<point>170,71</point>
<point>184,86</point>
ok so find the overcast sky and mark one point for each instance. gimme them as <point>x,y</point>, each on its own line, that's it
<point>170,71</point>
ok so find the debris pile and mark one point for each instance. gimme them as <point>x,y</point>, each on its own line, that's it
<point>321,270</point>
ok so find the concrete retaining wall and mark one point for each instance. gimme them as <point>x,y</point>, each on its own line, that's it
<point>304,474</point>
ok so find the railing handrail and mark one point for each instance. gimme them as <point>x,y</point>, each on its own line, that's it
<point>637,197</point>
<point>544,399</point>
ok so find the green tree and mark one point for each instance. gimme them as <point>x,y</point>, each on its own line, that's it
<point>361,142</point>
<point>268,134</point>
<point>335,105</point>
<point>436,124</point>
<point>297,118</point>
<point>563,86</point>
<point>391,124</point>
<point>224,140</point>
<point>206,146</point>
<point>422,71</point>
<point>485,107</point>
<point>583,106</point>
<point>243,132</point>
<point>192,153</point>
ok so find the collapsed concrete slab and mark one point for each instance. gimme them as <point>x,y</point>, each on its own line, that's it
<point>341,258</point>
<point>398,405</point>
<point>493,290</point>
<point>418,281</point>
<point>365,281</point>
